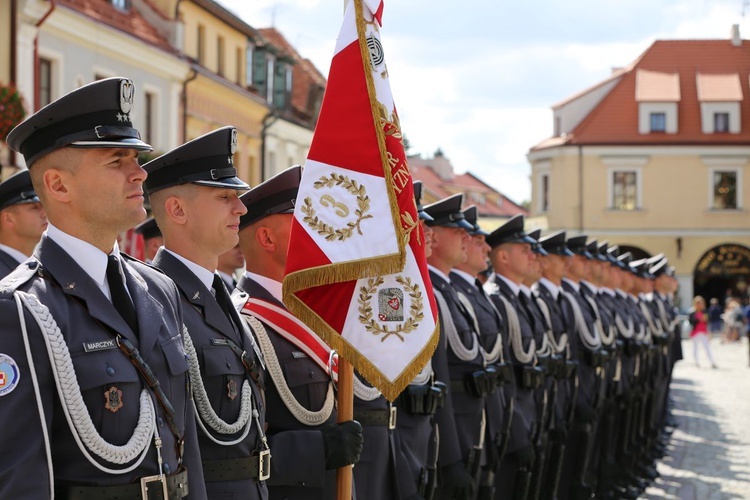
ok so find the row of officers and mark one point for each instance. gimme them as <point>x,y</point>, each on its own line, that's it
<point>126,380</point>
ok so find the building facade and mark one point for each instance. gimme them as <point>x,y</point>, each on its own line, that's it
<point>653,159</point>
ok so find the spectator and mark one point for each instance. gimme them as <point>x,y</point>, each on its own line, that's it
<point>699,334</point>
<point>735,321</point>
<point>715,320</point>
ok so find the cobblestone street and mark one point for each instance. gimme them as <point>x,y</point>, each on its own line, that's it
<point>709,455</point>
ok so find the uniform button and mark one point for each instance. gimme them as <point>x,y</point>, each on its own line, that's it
<point>228,365</point>
<point>167,469</point>
<point>312,374</point>
<point>160,421</point>
<point>110,371</point>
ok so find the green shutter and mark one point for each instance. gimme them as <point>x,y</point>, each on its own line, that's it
<point>259,70</point>
<point>279,85</point>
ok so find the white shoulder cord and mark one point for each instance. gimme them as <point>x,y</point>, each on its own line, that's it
<point>606,339</point>
<point>203,405</point>
<point>298,411</point>
<point>591,342</point>
<point>497,350</point>
<point>625,331</point>
<point>653,329</point>
<point>363,392</point>
<point>424,376</point>
<point>554,346</point>
<point>79,421</point>
<point>457,346</point>
<point>470,309</point>
<point>664,316</point>
<point>514,334</point>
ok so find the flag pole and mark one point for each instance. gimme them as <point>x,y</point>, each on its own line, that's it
<point>345,413</point>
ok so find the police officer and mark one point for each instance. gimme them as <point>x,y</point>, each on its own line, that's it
<point>229,262</point>
<point>306,442</point>
<point>22,221</point>
<point>194,197</point>
<point>457,361</point>
<point>106,412</point>
<point>417,430</point>
<point>152,238</point>
<point>511,258</point>
<point>488,322</point>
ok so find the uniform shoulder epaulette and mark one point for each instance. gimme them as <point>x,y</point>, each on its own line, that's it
<point>133,260</point>
<point>20,275</point>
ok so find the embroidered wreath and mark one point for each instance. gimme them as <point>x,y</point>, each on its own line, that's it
<point>366,314</point>
<point>329,232</point>
<point>12,111</point>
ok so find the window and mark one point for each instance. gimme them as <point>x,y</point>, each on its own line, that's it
<point>249,65</point>
<point>658,122</point>
<point>282,85</point>
<point>721,122</point>
<point>238,56</point>
<point>724,190</point>
<point>121,4</point>
<point>200,44</point>
<point>220,56</point>
<point>150,116</point>
<point>544,195</point>
<point>270,63</point>
<point>45,82</point>
<point>625,190</point>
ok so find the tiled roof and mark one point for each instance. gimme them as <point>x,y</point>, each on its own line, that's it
<point>304,76</point>
<point>719,88</point>
<point>128,21</point>
<point>654,86</point>
<point>614,121</point>
<point>489,201</point>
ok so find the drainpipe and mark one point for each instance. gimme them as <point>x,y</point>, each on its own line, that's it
<point>580,188</point>
<point>37,103</point>
<point>184,104</point>
<point>268,120</point>
<point>13,57</point>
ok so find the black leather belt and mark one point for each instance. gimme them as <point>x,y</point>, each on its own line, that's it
<point>386,418</point>
<point>256,467</point>
<point>148,488</point>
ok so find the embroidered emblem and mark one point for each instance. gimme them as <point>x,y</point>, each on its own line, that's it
<point>391,307</point>
<point>196,295</point>
<point>127,91</point>
<point>390,304</point>
<point>99,345</point>
<point>9,374</point>
<point>232,389</point>
<point>113,398</point>
<point>340,209</point>
<point>377,56</point>
<point>233,141</point>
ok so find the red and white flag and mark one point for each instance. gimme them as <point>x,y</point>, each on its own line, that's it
<point>356,272</point>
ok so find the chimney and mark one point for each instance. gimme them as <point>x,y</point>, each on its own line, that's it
<point>736,40</point>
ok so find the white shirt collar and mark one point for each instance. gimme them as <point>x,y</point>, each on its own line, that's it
<point>553,289</point>
<point>468,277</point>
<point>590,286</point>
<point>228,279</point>
<point>272,286</point>
<point>572,283</point>
<point>526,290</point>
<point>92,260</point>
<point>19,256</point>
<point>621,293</point>
<point>204,275</point>
<point>512,284</point>
<point>607,290</point>
<point>439,272</point>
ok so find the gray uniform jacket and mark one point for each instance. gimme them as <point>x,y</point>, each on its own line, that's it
<point>209,328</point>
<point>7,264</point>
<point>298,468</point>
<point>89,323</point>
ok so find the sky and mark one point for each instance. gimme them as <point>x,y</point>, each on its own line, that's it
<point>477,79</point>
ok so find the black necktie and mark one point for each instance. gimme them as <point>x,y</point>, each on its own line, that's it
<point>120,297</point>
<point>222,296</point>
<point>526,304</point>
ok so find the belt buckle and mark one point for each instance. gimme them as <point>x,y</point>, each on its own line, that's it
<point>264,465</point>
<point>392,418</point>
<point>153,479</point>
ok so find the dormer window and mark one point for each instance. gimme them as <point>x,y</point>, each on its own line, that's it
<point>121,4</point>
<point>720,97</point>
<point>657,95</point>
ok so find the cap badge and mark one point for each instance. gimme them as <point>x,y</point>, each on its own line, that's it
<point>233,141</point>
<point>127,91</point>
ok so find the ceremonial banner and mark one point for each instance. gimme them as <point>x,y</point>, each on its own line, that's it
<point>356,272</point>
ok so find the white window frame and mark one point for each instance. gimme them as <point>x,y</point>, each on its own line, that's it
<point>270,67</point>
<point>249,54</point>
<point>708,109</point>
<point>156,125</point>
<point>56,71</point>
<point>542,170</point>
<point>644,116</point>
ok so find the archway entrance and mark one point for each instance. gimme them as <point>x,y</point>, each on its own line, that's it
<point>722,272</point>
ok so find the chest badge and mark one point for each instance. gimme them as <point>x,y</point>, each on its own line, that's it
<point>232,389</point>
<point>113,398</point>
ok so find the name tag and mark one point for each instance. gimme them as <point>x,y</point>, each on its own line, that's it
<point>298,355</point>
<point>99,345</point>
<point>219,342</point>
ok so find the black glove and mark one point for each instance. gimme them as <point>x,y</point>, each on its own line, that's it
<point>457,481</point>
<point>343,444</point>
<point>525,456</point>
